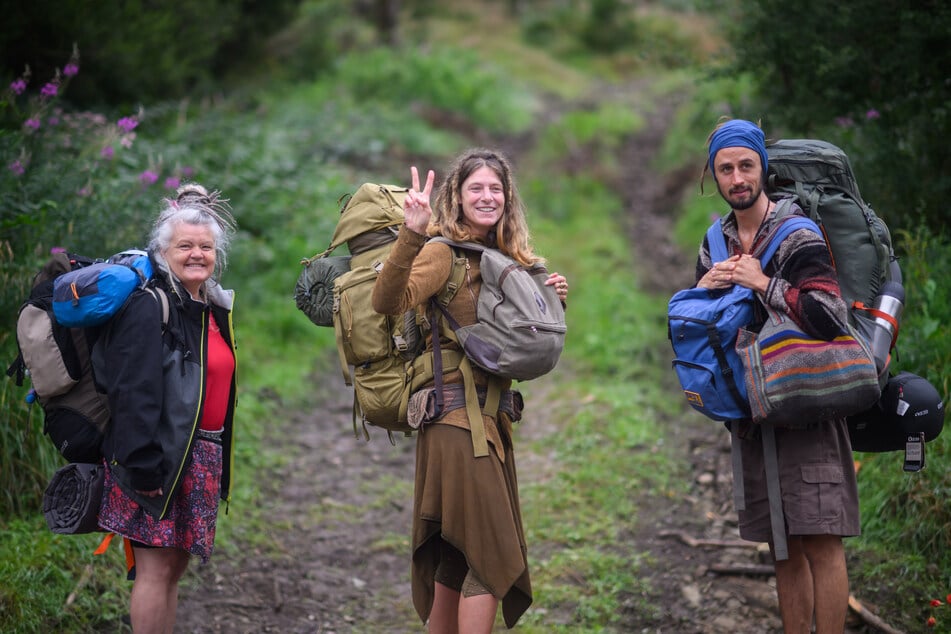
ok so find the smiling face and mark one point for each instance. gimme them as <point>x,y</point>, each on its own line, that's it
<point>191,255</point>
<point>483,201</point>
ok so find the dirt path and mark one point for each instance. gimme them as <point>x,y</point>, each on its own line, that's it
<point>327,567</point>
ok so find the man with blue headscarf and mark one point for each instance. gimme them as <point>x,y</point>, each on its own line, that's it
<point>795,487</point>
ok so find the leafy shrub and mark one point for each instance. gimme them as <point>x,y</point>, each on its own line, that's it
<point>868,76</point>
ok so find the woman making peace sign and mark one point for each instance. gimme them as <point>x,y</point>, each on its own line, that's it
<point>469,548</point>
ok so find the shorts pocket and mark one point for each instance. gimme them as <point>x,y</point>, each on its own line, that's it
<point>819,498</point>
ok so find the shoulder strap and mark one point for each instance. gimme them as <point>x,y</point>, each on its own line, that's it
<point>457,273</point>
<point>162,298</point>
<point>790,224</point>
<point>474,246</point>
<point>717,243</point>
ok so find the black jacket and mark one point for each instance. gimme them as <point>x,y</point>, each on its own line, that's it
<point>155,382</point>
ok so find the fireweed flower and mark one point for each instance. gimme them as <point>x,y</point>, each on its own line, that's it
<point>17,167</point>
<point>107,153</point>
<point>188,172</point>
<point>32,123</point>
<point>172,182</point>
<point>49,90</point>
<point>148,177</point>
<point>70,70</point>
<point>127,124</point>
<point>18,86</point>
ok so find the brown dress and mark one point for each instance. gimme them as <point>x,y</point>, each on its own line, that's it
<point>471,503</point>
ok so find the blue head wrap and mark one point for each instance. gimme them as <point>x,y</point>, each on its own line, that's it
<point>739,133</point>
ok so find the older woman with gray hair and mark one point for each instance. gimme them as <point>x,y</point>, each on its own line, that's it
<point>167,364</point>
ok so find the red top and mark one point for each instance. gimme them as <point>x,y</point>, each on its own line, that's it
<point>218,383</point>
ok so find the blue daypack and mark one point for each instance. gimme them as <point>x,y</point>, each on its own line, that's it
<point>702,326</point>
<point>89,296</point>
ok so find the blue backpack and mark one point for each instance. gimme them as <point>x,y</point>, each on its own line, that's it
<point>702,327</point>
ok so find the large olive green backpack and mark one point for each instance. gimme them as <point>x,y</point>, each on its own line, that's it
<point>519,336</point>
<point>379,354</point>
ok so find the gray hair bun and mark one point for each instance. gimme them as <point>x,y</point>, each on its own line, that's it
<point>195,195</point>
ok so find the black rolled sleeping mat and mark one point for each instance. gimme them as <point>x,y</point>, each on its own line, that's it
<point>72,498</point>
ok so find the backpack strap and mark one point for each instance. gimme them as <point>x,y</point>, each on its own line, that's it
<point>774,493</point>
<point>717,243</point>
<point>162,298</point>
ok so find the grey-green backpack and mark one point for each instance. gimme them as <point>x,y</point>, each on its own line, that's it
<point>819,176</point>
<point>521,328</point>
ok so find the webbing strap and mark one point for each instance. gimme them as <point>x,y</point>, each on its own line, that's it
<point>480,445</point>
<point>126,546</point>
<point>774,493</point>
<point>736,453</point>
<point>357,415</point>
<point>881,314</point>
<point>104,544</point>
<point>344,366</point>
<point>493,396</point>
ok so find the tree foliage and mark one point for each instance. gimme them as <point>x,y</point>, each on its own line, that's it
<point>871,76</point>
<point>137,51</point>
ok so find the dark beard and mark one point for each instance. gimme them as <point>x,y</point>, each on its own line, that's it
<point>745,204</point>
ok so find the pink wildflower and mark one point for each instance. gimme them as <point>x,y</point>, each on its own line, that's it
<point>843,122</point>
<point>127,139</point>
<point>18,87</point>
<point>872,114</point>
<point>32,123</point>
<point>71,70</point>
<point>107,152</point>
<point>188,172</point>
<point>172,182</point>
<point>49,90</point>
<point>148,177</point>
<point>127,124</point>
<point>17,167</point>
<point>84,191</point>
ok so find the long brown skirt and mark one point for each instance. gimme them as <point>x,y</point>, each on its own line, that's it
<point>471,503</point>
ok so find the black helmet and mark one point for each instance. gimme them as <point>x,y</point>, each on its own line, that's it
<point>909,404</point>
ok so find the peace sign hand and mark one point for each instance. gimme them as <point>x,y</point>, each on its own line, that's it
<point>416,207</point>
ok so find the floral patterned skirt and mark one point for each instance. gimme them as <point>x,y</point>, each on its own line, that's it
<point>190,522</point>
